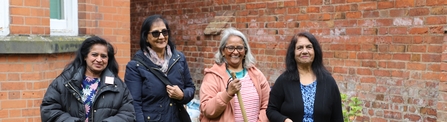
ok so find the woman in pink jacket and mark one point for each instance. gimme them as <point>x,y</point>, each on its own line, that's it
<point>218,100</point>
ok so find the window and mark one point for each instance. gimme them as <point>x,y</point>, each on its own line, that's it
<point>4,15</point>
<point>64,17</point>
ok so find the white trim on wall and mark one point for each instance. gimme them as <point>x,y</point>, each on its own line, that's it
<point>69,25</point>
<point>4,15</point>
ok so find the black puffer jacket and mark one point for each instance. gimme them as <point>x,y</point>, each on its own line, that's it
<point>62,101</point>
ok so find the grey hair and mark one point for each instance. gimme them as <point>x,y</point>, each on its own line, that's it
<point>248,61</point>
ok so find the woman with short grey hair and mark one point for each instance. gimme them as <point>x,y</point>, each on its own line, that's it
<point>219,57</point>
<point>217,93</point>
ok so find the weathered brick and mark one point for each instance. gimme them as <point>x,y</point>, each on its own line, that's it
<point>419,12</point>
<point>438,10</point>
<point>385,4</point>
<point>404,3</point>
<point>436,20</point>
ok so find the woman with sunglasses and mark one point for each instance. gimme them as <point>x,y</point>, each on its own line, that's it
<point>218,100</point>
<point>153,99</point>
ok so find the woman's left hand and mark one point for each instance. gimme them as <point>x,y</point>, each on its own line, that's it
<point>174,92</point>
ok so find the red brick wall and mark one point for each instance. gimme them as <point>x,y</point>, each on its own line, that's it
<point>24,78</point>
<point>388,53</point>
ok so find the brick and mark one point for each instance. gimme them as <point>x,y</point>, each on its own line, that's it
<point>353,31</point>
<point>32,94</point>
<point>436,20</point>
<point>381,56</point>
<point>368,80</point>
<point>19,29</point>
<point>367,6</point>
<point>401,56</point>
<point>436,30</point>
<point>16,3</point>
<point>417,48</point>
<point>418,30</point>
<point>419,12</point>
<point>327,9</point>
<point>402,39</point>
<point>431,57</point>
<point>384,22</point>
<point>416,66</point>
<point>32,3</point>
<point>7,104</point>
<point>385,4</point>
<point>337,1</point>
<point>313,9</point>
<point>397,30</point>
<point>342,8</point>
<point>428,111</point>
<point>435,2</point>
<point>382,73</point>
<point>304,2</point>
<point>19,11</point>
<point>340,70</point>
<point>404,3</point>
<point>286,4</point>
<point>438,10</point>
<point>398,13</point>
<point>370,14</point>
<point>352,15</point>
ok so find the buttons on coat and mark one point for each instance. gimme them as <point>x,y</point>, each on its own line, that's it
<point>94,111</point>
<point>148,118</point>
<point>170,104</point>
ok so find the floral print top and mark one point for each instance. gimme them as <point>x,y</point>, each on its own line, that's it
<point>308,93</point>
<point>89,87</point>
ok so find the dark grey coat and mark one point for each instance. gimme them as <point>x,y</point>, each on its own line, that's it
<point>62,101</point>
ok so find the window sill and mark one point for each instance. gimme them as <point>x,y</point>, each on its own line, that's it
<point>25,44</point>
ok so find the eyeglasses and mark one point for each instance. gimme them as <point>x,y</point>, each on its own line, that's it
<point>156,34</point>
<point>238,48</point>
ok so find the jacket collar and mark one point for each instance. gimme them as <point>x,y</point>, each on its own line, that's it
<point>78,77</point>
<point>175,56</point>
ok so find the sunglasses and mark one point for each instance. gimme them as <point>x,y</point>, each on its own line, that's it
<point>156,34</point>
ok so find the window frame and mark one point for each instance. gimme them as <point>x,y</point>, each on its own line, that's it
<point>69,25</point>
<point>4,13</point>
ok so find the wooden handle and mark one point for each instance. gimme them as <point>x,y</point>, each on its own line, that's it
<point>239,99</point>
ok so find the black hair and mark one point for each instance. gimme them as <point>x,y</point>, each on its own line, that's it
<point>82,52</point>
<point>317,65</point>
<point>146,27</point>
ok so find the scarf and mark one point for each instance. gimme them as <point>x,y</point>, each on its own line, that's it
<point>152,55</point>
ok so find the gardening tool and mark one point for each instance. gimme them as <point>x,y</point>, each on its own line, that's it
<point>239,98</point>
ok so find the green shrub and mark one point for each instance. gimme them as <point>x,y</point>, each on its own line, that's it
<point>352,107</point>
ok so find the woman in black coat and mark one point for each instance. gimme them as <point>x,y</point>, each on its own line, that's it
<point>306,91</point>
<point>89,89</point>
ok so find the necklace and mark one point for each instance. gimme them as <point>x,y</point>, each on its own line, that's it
<point>243,72</point>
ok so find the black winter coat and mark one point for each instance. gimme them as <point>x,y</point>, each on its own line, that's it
<point>286,101</point>
<point>62,101</point>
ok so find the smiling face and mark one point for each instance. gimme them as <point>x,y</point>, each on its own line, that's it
<point>232,54</point>
<point>96,60</point>
<point>304,51</point>
<point>160,42</point>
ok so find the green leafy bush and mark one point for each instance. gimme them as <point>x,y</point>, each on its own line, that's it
<point>352,107</point>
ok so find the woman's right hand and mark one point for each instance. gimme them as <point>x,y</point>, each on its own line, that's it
<point>233,87</point>
<point>288,120</point>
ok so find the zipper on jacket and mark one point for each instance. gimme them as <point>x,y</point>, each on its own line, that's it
<point>175,61</point>
<point>80,100</point>
<point>75,91</point>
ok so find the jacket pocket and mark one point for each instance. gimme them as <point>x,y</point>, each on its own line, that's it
<point>152,117</point>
